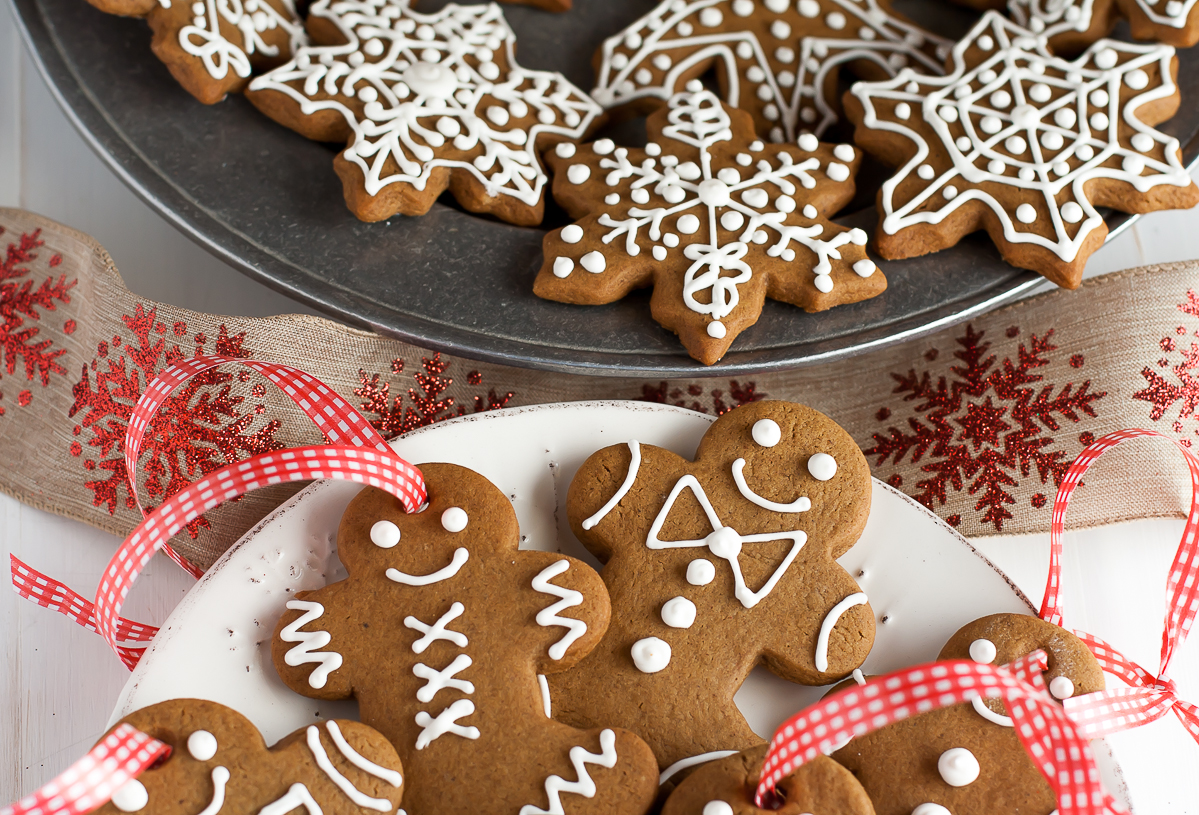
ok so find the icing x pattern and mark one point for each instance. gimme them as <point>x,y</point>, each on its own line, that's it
<point>1028,120</point>
<point>433,727</point>
<point>203,38</point>
<point>432,85</point>
<point>779,76</point>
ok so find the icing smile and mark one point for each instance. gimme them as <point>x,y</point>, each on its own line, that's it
<point>800,504</point>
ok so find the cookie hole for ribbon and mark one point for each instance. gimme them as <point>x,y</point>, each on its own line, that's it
<point>773,800</point>
<point>162,759</point>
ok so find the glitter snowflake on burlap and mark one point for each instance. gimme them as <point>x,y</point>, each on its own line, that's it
<point>428,97</point>
<point>1181,391</point>
<point>1024,144</point>
<point>778,59</point>
<point>201,427</point>
<point>22,305</point>
<point>983,427</point>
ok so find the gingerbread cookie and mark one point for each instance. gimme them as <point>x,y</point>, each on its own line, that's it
<point>778,60</point>
<point>1071,25</point>
<point>426,103</point>
<point>443,632</point>
<point>710,216</point>
<point>726,787</point>
<point>1023,145</point>
<point>715,566</point>
<point>967,760</point>
<point>220,764</point>
<point>211,47</point>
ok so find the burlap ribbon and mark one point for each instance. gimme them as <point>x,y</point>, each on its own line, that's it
<point>978,422</point>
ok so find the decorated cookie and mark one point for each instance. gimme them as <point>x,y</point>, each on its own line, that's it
<point>444,632</point>
<point>1071,25</point>
<point>967,760</point>
<point>726,787</point>
<point>710,216</point>
<point>1023,145</point>
<point>778,60</point>
<point>220,764</point>
<point>715,566</point>
<point>212,46</point>
<point>426,103</point>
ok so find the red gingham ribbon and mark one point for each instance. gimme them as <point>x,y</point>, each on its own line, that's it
<point>1061,754</point>
<point>1149,697</point>
<point>90,782</point>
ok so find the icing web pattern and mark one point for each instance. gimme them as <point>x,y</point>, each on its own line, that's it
<point>777,56</point>
<point>434,90</point>
<point>252,18</point>
<point>1029,121</point>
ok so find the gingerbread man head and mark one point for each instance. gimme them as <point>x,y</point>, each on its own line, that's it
<point>443,632</point>
<point>717,565</point>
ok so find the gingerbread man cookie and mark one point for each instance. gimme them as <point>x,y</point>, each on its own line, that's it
<point>220,764</point>
<point>425,103</point>
<point>778,60</point>
<point>967,760</point>
<point>726,787</point>
<point>212,46</point>
<point>443,632</point>
<point>710,216</point>
<point>715,566</point>
<point>1024,145</point>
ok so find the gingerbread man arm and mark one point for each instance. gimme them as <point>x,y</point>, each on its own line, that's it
<point>569,605</point>
<point>306,642</point>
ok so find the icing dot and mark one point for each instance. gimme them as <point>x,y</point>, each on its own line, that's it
<point>835,21</point>
<point>925,171</point>
<point>837,172</point>
<point>745,159</point>
<point>604,146</point>
<point>864,268</point>
<point>1065,117</point>
<point>766,432</point>
<point>809,211</point>
<point>1040,92</point>
<point>931,809</point>
<point>565,149</point>
<point>963,144</point>
<point>1026,213</point>
<point>809,8</point>
<point>1001,99</point>
<point>985,43</point>
<point>785,203</point>
<point>756,197</point>
<point>950,192</point>
<point>572,233</point>
<point>653,149</point>
<point>651,655</point>
<point>1174,8</point>
<point>448,126</point>
<point>454,519</point>
<point>822,466</point>
<point>780,29</point>
<point>385,535</point>
<point>724,542</point>
<point>700,572</point>
<point>1061,168</point>
<point>729,175</point>
<point>745,51</point>
<point>1099,121</point>
<point>688,224</point>
<point>1027,174</point>
<point>823,283</point>
<point>1142,142</point>
<point>678,612</point>
<point>903,111</point>
<point>743,8</point>
<point>711,17</point>
<point>563,267</point>
<point>983,651</point>
<point>1099,98</point>
<point>132,797</point>
<point>1137,79</point>
<point>958,767</point>
<point>1133,165</point>
<point>578,173</point>
<point>1015,145</point>
<point>593,262</point>
<point>620,61</point>
<point>1084,152</point>
<point>1061,687</point>
<point>732,220</point>
<point>673,194</point>
<point>431,79</point>
<point>639,196</point>
<point>670,239</point>
<point>949,113</point>
<point>1107,58</point>
<point>717,808</point>
<point>808,142</point>
<point>662,62</point>
<point>857,236</point>
<point>659,253</point>
<point>644,76</point>
<point>714,193</point>
<point>785,55</point>
<point>368,95</point>
<point>1052,140</point>
<point>991,125</point>
<point>760,237</point>
<point>202,744</point>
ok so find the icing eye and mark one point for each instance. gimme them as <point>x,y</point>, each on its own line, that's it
<point>700,572</point>
<point>454,519</point>
<point>983,651</point>
<point>822,466</point>
<point>1061,687</point>
<point>717,808</point>
<point>132,797</point>
<point>958,767</point>
<point>385,535</point>
<point>766,432</point>
<point>202,744</point>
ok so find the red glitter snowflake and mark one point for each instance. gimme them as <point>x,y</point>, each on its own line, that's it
<point>713,401</point>
<point>984,425</point>
<point>425,407</point>
<point>1183,387</point>
<point>20,305</point>
<point>200,428</point>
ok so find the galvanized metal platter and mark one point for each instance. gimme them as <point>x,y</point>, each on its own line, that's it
<point>266,201</point>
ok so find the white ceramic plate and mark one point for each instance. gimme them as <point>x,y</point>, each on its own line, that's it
<point>924,580</point>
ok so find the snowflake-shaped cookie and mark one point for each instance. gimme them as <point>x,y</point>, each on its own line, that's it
<point>712,218</point>
<point>1071,25</point>
<point>777,59</point>
<point>427,102</point>
<point>1024,145</point>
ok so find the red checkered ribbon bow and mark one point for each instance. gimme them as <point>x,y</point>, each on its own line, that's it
<point>1148,697</point>
<point>369,461</point>
<point>1058,750</point>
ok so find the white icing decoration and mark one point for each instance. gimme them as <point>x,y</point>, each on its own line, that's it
<point>980,707</point>
<point>580,757</point>
<point>344,784</point>
<point>1017,62</point>
<point>201,745</point>
<point>220,777</point>
<point>203,37</point>
<point>358,760</point>
<point>830,622</point>
<point>716,330</point>
<point>630,477</point>
<point>685,763</point>
<point>725,542</point>
<point>563,267</point>
<point>651,654</point>
<point>578,173</point>
<point>822,466</point>
<point>958,767</point>
<point>766,432</point>
<point>309,642</point>
<point>445,573</point>
<point>858,677</point>
<point>1062,687</point>
<point>131,797</point>
<point>864,267</point>
<point>545,695</point>
<point>297,795</point>
<point>568,598</point>
<point>678,612</point>
<point>433,728</point>
<point>931,809</point>
<point>565,149</point>
<point>800,504</point>
<point>436,680</point>
<point>433,67</point>
<point>717,808</point>
<point>983,651</point>
<point>700,572</point>
<point>594,262</point>
<point>437,631</point>
<point>572,233</point>
<point>454,519</point>
<point>385,534</point>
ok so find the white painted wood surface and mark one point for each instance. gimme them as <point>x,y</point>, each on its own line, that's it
<point>58,681</point>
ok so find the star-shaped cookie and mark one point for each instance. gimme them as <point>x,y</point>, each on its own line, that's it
<point>1024,145</point>
<point>426,102</point>
<point>710,216</point>
<point>776,59</point>
<point>1071,25</point>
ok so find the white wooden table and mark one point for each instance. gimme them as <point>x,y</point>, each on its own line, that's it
<point>58,682</point>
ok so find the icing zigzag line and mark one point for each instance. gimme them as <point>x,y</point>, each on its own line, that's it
<point>549,615</point>
<point>579,757</point>
<point>310,643</point>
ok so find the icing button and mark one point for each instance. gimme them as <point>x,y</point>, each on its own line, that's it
<point>716,329</point>
<point>983,651</point>
<point>700,572</point>
<point>430,79</point>
<point>678,612</point>
<point>958,767</point>
<point>202,744</point>
<point>717,808</point>
<point>651,655</point>
<point>132,797</point>
<point>454,519</point>
<point>931,809</point>
<point>724,542</point>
